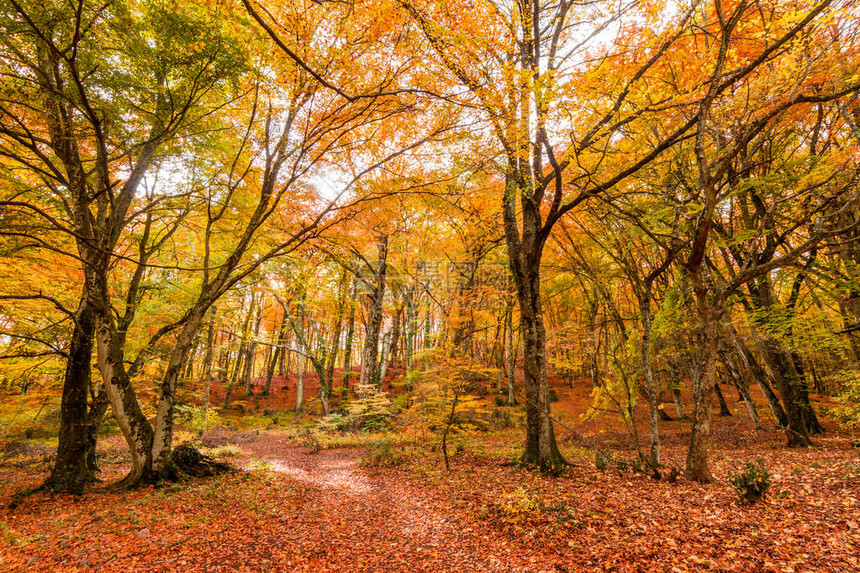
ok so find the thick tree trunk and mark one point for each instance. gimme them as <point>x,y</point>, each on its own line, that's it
<point>188,369</point>
<point>704,381</point>
<point>790,383</point>
<point>74,464</point>
<point>133,424</point>
<point>541,449</point>
<point>319,366</point>
<point>162,441</point>
<point>849,308</point>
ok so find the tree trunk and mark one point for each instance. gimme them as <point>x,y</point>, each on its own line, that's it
<point>241,355</point>
<point>724,406</point>
<point>252,350</point>
<point>742,385</point>
<point>162,466</point>
<point>411,328</point>
<point>133,424</point>
<point>679,405</point>
<point>224,356</point>
<point>384,356</point>
<point>394,338</point>
<point>427,327</point>
<point>791,384</point>
<point>510,352</point>
<point>704,380</point>
<point>210,351</point>
<point>74,464</point>
<point>648,375</point>
<point>374,322</point>
<point>188,369</point>
<point>300,374</point>
<point>797,409</point>
<point>350,335</point>
<point>498,352</point>
<point>336,335</point>
<point>758,374</point>
<point>541,449</point>
<point>276,357</point>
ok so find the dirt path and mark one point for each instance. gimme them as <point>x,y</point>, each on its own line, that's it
<point>289,511</point>
<point>358,519</point>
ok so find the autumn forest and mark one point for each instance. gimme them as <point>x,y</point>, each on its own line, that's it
<point>430,285</point>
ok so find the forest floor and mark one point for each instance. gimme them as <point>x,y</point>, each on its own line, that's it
<point>290,509</point>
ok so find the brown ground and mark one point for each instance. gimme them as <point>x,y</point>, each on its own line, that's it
<point>288,510</point>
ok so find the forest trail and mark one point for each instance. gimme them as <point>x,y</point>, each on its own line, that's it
<point>293,511</point>
<point>354,518</point>
<point>287,510</point>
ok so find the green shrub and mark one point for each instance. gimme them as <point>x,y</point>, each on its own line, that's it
<point>502,419</point>
<point>381,454</point>
<point>500,401</point>
<point>752,482</point>
<point>553,396</point>
<point>196,418</point>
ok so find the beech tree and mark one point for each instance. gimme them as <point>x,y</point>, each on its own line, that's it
<point>100,130</point>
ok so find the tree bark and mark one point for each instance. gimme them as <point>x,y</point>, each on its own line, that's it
<point>74,464</point>
<point>758,374</point>
<point>210,352</point>
<point>374,322</point>
<point>510,353</point>
<point>541,449</point>
<point>252,350</point>
<point>299,328</point>
<point>796,408</point>
<point>724,406</point>
<point>648,374</point>
<point>743,388</point>
<point>276,356</point>
<point>350,335</point>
